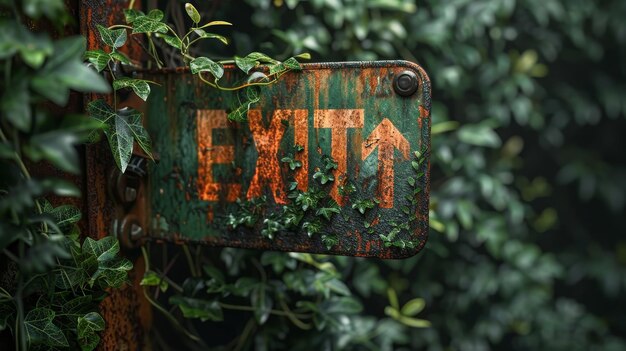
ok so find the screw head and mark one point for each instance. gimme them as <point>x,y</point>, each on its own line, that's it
<point>128,231</point>
<point>405,83</point>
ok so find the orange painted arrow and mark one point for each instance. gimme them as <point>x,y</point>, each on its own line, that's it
<point>387,138</point>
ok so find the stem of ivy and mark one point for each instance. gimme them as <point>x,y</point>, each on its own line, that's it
<point>274,312</point>
<point>192,266</point>
<point>153,52</point>
<point>169,316</point>
<point>294,317</point>
<point>120,26</point>
<point>156,305</point>
<point>19,303</point>
<point>247,330</point>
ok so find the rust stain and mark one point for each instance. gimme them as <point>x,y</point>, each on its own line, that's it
<point>210,154</point>
<point>267,142</point>
<point>210,215</point>
<point>359,240</point>
<point>339,121</point>
<point>387,138</point>
<point>301,137</point>
<point>375,221</point>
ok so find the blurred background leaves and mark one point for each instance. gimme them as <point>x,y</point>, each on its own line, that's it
<point>528,176</point>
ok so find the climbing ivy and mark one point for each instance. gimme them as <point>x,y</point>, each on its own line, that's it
<point>51,279</point>
<point>123,127</point>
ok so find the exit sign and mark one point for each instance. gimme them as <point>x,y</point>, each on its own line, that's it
<point>332,159</point>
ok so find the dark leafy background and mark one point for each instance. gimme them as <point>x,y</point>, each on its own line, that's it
<point>528,189</point>
<point>526,248</point>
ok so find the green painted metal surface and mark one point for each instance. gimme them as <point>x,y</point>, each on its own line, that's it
<point>331,160</point>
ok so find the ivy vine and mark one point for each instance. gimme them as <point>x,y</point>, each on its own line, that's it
<point>123,127</point>
<point>51,280</point>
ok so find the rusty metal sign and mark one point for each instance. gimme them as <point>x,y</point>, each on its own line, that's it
<point>332,159</point>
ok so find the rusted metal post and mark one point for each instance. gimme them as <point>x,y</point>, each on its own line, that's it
<point>127,313</point>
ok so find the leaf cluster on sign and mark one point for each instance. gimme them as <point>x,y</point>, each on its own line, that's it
<point>124,129</point>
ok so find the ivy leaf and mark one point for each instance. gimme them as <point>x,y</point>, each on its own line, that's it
<point>323,177</point>
<point>252,60</point>
<point>150,23</point>
<point>479,135</point>
<point>330,240</point>
<point>98,58</point>
<point>411,181</point>
<point>261,57</point>
<point>292,63</point>
<point>130,15</point>
<point>304,56</point>
<point>65,215</point>
<point>217,23</point>
<point>307,200</point>
<point>140,133</point>
<point>90,323</point>
<point>241,112</point>
<point>312,227</point>
<point>293,164</point>
<point>77,305</point>
<point>156,14</point>
<point>33,48</point>
<point>204,35</point>
<point>121,130</point>
<point>114,38</point>
<point>57,147</point>
<point>363,205</point>
<point>150,278</point>
<point>65,70</point>
<point>289,64</point>
<point>88,326</point>
<point>192,13</point>
<point>15,104</point>
<point>89,342</point>
<point>198,308</point>
<point>338,287</point>
<point>245,64</point>
<point>292,218</point>
<point>328,212</point>
<point>204,64</point>
<point>139,86</point>
<point>111,269</point>
<point>413,307</point>
<point>170,40</point>
<point>41,330</point>
<point>117,132</point>
<point>112,273</point>
<point>120,57</point>
<point>102,250</point>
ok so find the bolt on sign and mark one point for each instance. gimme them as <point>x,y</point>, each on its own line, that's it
<point>331,159</point>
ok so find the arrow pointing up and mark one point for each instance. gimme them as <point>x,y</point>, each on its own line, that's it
<point>387,138</point>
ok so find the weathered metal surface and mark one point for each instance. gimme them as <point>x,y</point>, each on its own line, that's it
<point>126,311</point>
<point>213,174</point>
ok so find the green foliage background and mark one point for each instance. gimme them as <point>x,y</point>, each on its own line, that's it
<point>529,181</point>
